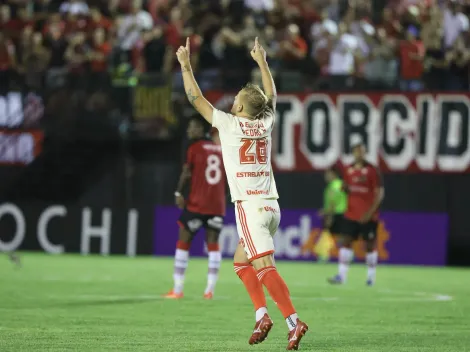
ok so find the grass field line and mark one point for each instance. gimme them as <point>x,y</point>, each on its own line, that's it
<point>151,297</point>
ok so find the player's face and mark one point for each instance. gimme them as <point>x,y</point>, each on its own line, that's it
<point>359,152</point>
<point>194,130</point>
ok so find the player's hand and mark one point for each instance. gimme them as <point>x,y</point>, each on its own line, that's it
<point>179,201</point>
<point>183,53</point>
<point>258,53</point>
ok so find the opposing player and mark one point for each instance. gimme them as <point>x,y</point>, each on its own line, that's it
<point>365,191</point>
<point>245,136</point>
<point>205,206</point>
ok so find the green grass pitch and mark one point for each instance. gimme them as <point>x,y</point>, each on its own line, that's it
<point>74,303</point>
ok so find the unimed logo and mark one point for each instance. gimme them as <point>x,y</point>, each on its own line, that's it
<point>287,241</point>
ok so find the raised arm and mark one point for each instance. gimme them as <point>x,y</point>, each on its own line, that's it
<point>259,55</point>
<point>191,87</point>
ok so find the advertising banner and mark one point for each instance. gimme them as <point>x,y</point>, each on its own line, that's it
<point>403,132</point>
<point>403,238</point>
<point>57,229</point>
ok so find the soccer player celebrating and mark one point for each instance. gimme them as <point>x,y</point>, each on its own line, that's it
<point>205,206</point>
<point>365,192</point>
<point>245,136</point>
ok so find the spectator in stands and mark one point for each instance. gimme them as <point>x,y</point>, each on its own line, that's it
<point>7,62</point>
<point>5,18</point>
<point>76,56</point>
<point>259,5</point>
<point>455,22</point>
<point>458,58</point>
<point>293,48</point>
<point>74,7</point>
<point>343,55</point>
<point>232,41</point>
<point>344,42</point>
<point>155,50</point>
<point>435,64</point>
<point>97,20</point>
<point>411,51</point>
<point>390,23</point>
<point>381,68</point>
<point>14,26</point>
<point>99,51</point>
<point>130,28</point>
<point>36,62</point>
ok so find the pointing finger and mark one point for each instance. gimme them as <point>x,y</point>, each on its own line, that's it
<point>187,44</point>
<point>256,42</point>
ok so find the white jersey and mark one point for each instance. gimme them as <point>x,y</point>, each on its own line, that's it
<point>246,150</point>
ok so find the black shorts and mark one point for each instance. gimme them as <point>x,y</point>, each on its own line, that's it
<point>336,224</point>
<point>193,222</point>
<point>355,229</point>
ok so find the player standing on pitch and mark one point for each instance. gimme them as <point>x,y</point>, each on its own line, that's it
<point>245,137</point>
<point>365,191</point>
<point>205,206</point>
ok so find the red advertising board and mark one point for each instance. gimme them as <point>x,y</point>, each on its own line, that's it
<point>19,147</point>
<point>402,132</point>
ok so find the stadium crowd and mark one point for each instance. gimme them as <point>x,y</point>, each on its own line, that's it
<point>406,44</point>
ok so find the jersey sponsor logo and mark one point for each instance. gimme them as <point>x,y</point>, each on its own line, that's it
<point>256,192</point>
<point>268,208</point>
<point>254,174</point>
<point>402,132</point>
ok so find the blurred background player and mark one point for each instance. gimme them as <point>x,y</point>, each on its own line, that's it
<point>335,203</point>
<point>205,206</point>
<point>245,137</point>
<point>363,183</point>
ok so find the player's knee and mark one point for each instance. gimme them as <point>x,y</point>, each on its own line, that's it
<point>345,241</point>
<point>263,262</point>
<point>185,236</point>
<point>370,246</point>
<point>183,245</point>
<point>212,237</point>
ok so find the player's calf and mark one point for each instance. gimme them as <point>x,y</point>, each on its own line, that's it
<point>180,266</point>
<point>344,260</point>
<point>279,292</point>
<point>371,262</point>
<point>247,274</point>
<point>215,259</point>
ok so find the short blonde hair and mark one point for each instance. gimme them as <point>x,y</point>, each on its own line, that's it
<point>256,102</point>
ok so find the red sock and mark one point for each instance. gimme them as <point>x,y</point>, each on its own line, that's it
<point>247,274</point>
<point>277,289</point>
